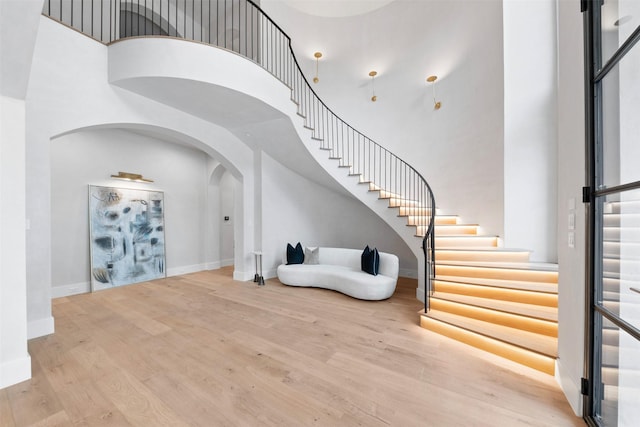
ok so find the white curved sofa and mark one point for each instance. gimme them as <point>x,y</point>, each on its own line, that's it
<point>339,269</point>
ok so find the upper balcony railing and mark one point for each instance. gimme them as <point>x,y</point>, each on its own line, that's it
<point>242,27</point>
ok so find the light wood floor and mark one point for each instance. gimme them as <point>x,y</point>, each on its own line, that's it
<point>203,350</point>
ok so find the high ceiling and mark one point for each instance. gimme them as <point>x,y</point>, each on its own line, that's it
<point>336,8</point>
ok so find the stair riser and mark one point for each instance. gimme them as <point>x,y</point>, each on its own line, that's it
<point>412,210</point>
<point>466,242</point>
<point>396,203</point>
<point>481,256</point>
<point>424,219</point>
<point>497,273</point>
<point>525,297</point>
<point>387,195</point>
<point>448,230</point>
<point>538,326</point>
<point>454,230</point>
<point>516,354</point>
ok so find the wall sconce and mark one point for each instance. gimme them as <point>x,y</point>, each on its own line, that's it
<point>432,80</point>
<point>373,74</point>
<point>126,176</point>
<point>317,55</point>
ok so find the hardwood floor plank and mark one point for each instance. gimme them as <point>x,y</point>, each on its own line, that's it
<point>6,413</point>
<point>34,400</point>
<point>204,350</point>
<point>59,419</point>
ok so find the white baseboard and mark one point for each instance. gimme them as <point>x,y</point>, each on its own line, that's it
<point>242,276</point>
<point>408,272</point>
<point>420,294</point>
<point>212,265</point>
<point>70,289</point>
<point>185,269</point>
<point>15,371</point>
<point>40,327</point>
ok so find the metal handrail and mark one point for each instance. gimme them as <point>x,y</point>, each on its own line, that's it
<point>241,26</point>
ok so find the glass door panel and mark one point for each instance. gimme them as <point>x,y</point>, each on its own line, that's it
<point>621,122</point>
<point>619,19</point>
<point>620,291</point>
<point>613,57</point>
<point>619,394</point>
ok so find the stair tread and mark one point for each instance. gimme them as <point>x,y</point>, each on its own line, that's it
<point>530,266</point>
<point>468,240</point>
<point>501,283</point>
<point>542,344</point>
<point>547,299</point>
<point>469,236</point>
<point>522,309</point>
<point>480,249</point>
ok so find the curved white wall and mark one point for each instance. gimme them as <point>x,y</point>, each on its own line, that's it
<point>296,209</point>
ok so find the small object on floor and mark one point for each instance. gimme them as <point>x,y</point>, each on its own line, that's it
<point>258,276</point>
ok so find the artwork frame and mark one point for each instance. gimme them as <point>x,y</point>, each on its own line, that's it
<point>126,236</point>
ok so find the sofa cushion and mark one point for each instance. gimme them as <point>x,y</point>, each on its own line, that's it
<point>295,255</point>
<point>312,255</point>
<point>364,257</point>
<point>370,261</point>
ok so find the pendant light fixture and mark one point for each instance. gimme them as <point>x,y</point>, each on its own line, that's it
<point>373,75</point>
<point>317,55</point>
<point>432,80</point>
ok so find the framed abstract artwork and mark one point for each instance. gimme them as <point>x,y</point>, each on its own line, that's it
<point>126,232</point>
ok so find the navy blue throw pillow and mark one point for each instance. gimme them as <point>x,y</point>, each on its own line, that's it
<point>295,255</point>
<point>370,261</point>
<point>364,257</point>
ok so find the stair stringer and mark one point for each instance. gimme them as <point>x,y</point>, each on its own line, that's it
<point>360,190</point>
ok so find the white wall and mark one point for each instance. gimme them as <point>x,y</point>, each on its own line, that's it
<point>571,179</point>
<point>459,148</point>
<point>296,209</point>
<point>227,203</point>
<point>15,363</point>
<point>69,90</point>
<point>90,157</point>
<point>18,30</point>
<point>530,79</point>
